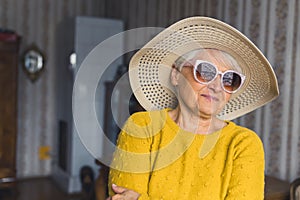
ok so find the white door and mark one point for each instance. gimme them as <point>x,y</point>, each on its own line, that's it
<point>84,146</point>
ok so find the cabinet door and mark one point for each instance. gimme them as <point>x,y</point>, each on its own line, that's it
<point>8,108</point>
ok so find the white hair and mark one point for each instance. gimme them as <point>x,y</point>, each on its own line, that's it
<point>179,63</point>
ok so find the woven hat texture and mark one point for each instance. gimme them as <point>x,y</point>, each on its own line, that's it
<point>149,68</point>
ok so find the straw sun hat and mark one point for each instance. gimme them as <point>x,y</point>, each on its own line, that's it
<point>149,68</point>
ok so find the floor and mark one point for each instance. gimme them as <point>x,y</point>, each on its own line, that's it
<point>46,189</point>
<point>37,189</point>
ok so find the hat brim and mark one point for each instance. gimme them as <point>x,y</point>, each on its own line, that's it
<point>149,68</point>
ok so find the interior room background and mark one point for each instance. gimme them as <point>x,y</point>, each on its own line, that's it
<point>273,25</point>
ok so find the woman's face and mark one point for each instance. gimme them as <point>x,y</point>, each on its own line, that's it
<point>203,100</point>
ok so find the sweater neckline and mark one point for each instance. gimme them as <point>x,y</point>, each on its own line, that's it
<point>208,140</point>
<point>172,124</point>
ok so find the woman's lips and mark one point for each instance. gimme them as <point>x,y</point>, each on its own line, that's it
<point>209,97</point>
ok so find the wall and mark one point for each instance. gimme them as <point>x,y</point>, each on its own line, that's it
<point>274,26</point>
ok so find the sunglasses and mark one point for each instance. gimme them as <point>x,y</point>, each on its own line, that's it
<point>206,72</point>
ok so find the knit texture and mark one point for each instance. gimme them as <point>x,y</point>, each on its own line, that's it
<point>159,160</point>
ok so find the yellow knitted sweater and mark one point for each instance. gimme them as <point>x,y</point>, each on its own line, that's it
<point>161,161</point>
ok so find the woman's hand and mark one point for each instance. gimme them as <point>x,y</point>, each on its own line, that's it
<point>123,193</point>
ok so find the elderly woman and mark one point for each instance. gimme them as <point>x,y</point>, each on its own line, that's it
<point>193,78</point>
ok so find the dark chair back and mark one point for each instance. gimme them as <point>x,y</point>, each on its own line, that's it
<point>295,189</point>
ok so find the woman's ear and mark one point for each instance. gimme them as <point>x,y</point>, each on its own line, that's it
<point>174,75</point>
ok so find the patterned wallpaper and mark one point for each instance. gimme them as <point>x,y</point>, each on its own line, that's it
<point>36,22</point>
<point>273,25</point>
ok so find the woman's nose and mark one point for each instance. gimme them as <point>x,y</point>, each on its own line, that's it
<point>215,85</point>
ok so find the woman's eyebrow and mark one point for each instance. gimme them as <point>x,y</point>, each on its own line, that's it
<point>187,65</point>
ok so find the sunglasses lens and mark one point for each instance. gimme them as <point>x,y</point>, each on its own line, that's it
<point>231,81</point>
<point>205,72</point>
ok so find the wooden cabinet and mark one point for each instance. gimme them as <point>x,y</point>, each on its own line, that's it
<point>8,109</point>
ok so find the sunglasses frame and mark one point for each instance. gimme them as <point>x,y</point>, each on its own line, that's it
<point>243,77</point>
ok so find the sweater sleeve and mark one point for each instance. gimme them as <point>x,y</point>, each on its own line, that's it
<point>247,178</point>
<point>130,167</point>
